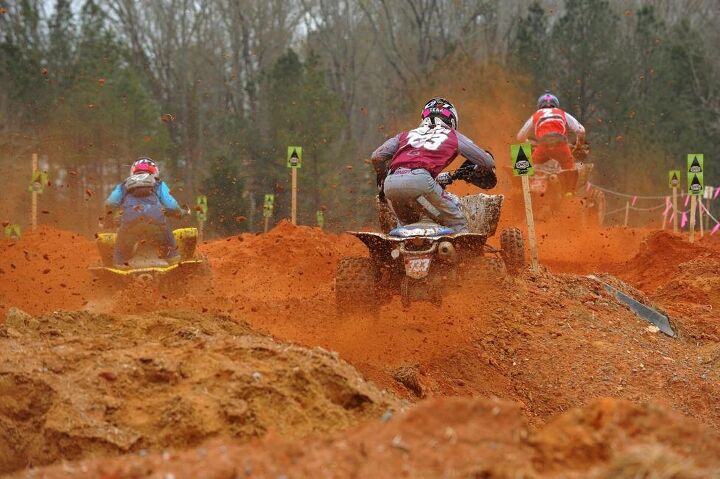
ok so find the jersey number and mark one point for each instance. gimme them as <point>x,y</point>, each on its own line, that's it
<point>430,141</point>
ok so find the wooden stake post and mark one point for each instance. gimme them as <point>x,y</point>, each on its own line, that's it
<point>674,183</point>
<point>674,205</point>
<point>707,194</point>
<point>294,161</point>
<point>693,207</point>
<point>34,195</point>
<point>37,185</point>
<point>627,213</point>
<point>522,166</point>
<point>695,187</point>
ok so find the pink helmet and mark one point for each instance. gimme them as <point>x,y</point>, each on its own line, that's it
<point>144,165</point>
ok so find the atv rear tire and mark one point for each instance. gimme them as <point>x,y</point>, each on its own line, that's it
<point>512,249</point>
<point>355,287</point>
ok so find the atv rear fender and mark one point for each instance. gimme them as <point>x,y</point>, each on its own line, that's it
<point>186,239</point>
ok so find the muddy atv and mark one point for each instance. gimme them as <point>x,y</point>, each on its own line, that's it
<point>552,188</point>
<point>420,261</point>
<point>146,267</point>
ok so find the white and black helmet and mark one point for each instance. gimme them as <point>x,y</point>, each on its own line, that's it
<point>443,109</point>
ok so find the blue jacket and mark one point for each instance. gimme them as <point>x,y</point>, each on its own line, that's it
<point>150,207</point>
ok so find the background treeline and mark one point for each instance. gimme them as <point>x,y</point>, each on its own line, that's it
<point>215,90</point>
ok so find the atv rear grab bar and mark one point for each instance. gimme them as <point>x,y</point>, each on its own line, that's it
<point>414,252</point>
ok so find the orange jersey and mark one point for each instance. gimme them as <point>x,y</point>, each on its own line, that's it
<point>549,120</point>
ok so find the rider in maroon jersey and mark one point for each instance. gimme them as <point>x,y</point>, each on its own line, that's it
<point>409,167</point>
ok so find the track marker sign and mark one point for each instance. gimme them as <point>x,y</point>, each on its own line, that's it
<point>12,231</point>
<point>201,208</point>
<point>294,161</point>
<point>521,155</point>
<point>674,183</point>
<point>38,181</point>
<point>268,205</point>
<point>695,187</point>
<point>696,184</point>
<point>294,156</point>
<point>674,178</point>
<point>320,217</point>
<point>695,174</point>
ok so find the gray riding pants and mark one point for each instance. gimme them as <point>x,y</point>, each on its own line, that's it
<point>414,193</point>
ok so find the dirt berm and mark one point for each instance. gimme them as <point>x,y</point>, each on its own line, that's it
<point>77,384</point>
<point>450,438</point>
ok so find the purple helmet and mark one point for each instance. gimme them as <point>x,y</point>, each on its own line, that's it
<point>548,100</point>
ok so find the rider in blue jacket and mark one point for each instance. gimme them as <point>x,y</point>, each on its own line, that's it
<point>145,201</point>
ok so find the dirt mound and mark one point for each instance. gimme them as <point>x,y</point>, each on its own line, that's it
<point>461,437</point>
<point>657,260</point>
<point>288,262</point>
<point>552,342</point>
<point>684,278</point>
<point>78,384</point>
<point>46,269</point>
<point>548,341</point>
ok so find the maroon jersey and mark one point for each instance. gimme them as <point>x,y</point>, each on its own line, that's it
<point>429,147</point>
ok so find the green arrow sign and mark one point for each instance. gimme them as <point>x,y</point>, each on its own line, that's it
<point>294,156</point>
<point>695,162</point>
<point>38,181</point>
<point>695,184</point>
<point>13,231</point>
<point>202,208</point>
<point>268,205</point>
<point>521,155</point>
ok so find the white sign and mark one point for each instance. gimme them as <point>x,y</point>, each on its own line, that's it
<point>709,190</point>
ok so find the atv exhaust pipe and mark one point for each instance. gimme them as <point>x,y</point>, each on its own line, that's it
<point>446,251</point>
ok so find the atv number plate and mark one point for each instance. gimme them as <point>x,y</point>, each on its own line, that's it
<point>417,266</point>
<point>538,185</point>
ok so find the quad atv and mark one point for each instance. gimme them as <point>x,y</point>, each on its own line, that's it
<point>145,265</point>
<point>552,188</point>
<point>420,261</point>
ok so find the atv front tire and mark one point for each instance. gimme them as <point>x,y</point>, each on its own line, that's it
<point>355,287</point>
<point>512,249</point>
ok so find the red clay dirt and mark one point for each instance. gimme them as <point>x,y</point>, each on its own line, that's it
<point>46,270</point>
<point>683,278</point>
<point>79,384</point>
<point>458,437</point>
<point>550,342</point>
